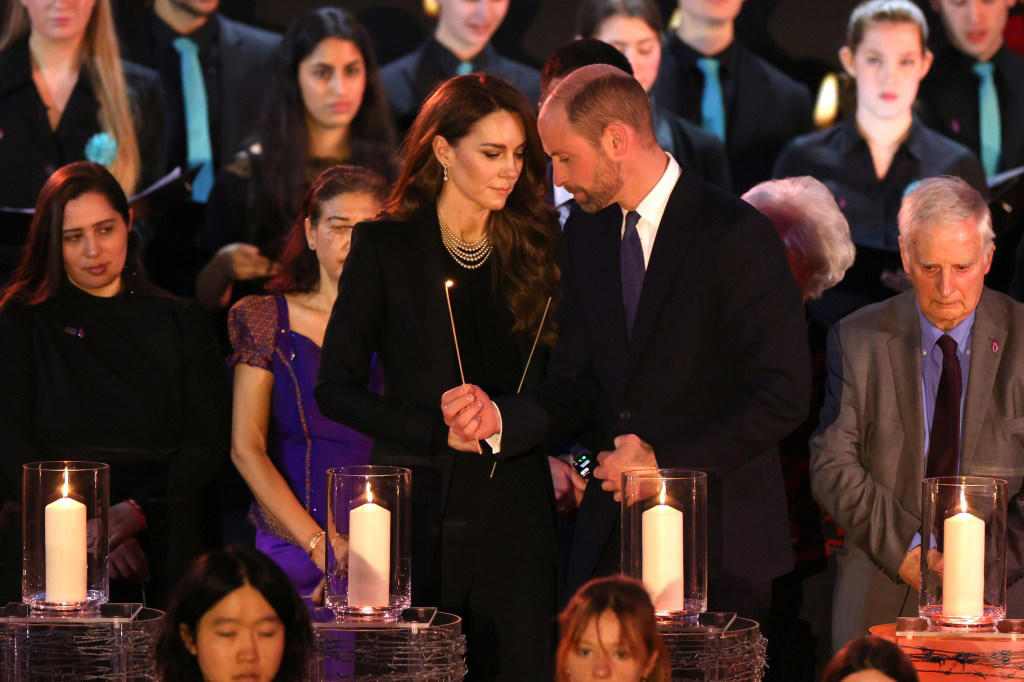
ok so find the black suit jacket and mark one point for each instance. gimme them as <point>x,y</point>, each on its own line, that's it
<point>245,57</point>
<point>391,302</point>
<point>715,374</point>
<point>764,108</point>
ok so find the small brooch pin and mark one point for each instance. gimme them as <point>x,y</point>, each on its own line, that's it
<point>75,331</point>
<point>954,125</point>
<point>995,346</point>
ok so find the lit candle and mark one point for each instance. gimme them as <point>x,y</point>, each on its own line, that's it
<point>369,554</point>
<point>963,579</point>
<point>66,564</point>
<point>662,541</point>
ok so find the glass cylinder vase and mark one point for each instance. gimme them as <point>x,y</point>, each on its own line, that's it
<point>64,535</point>
<point>369,562</point>
<point>664,539</point>
<point>963,551</point>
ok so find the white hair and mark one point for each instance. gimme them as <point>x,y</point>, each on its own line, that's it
<point>942,200</point>
<point>813,229</point>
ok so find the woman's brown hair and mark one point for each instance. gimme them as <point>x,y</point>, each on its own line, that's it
<point>629,602</point>
<point>300,270</point>
<point>40,273</point>
<point>524,231</point>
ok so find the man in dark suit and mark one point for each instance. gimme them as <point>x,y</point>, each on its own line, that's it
<point>974,94</point>
<point>928,383</point>
<point>681,342</point>
<point>235,62</point>
<point>709,78</point>
<point>460,44</point>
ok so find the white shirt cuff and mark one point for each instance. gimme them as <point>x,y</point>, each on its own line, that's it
<point>495,440</point>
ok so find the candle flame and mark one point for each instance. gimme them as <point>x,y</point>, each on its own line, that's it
<point>369,493</point>
<point>448,284</point>
<point>662,500</point>
<point>963,501</point>
<point>64,488</point>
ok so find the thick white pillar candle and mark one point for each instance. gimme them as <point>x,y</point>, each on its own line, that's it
<point>963,572</point>
<point>66,562</point>
<point>662,541</point>
<point>369,554</point>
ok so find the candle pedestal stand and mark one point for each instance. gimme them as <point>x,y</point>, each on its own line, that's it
<point>113,642</point>
<point>939,654</point>
<point>369,532</point>
<point>720,647</point>
<point>963,552</point>
<point>664,540</point>
<point>421,645</point>
<point>64,530</point>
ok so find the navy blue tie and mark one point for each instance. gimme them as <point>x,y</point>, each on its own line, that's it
<point>631,266</point>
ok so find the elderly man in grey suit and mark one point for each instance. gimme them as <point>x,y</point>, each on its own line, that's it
<point>930,382</point>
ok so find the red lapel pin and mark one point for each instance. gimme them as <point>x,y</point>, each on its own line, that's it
<point>995,346</point>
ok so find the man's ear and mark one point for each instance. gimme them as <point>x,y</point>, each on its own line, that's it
<point>615,140</point>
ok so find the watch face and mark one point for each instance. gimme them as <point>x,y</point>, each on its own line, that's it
<point>582,464</point>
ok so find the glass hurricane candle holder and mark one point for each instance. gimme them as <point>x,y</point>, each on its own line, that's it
<point>369,563</point>
<point>963,551</point>
<point>664,539</point>
<point>64,535</point>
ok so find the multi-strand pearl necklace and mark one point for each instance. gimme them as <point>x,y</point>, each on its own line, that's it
<point>469,255</point>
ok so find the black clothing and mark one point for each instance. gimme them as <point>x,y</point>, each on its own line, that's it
<point>410,79</point>
<point>764,108</point>
<point>30,151</point>
<point>713,375</point>
<point>134,380</point>
<point>482,547</point>
<point>948,101</point>
<point>693,147</point>
<point>839,157</point>
<point>236,62</point>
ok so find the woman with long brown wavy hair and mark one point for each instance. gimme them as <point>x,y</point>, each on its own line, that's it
<point>467,208</point>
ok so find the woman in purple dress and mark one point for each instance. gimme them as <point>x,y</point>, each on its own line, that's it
<point>280,442</point>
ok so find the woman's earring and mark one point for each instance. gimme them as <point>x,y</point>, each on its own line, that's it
<point>312,246</point>
<point>444,172</point>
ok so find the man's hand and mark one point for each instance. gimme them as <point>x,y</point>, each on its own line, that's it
<point>630,453</point>
<point>128,562</point>
<point>244,261</point>
<point>123,523</point>
<point>470,414</point>
<point>568,485</point>
<point>910,569</point>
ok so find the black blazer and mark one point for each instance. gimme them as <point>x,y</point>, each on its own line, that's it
<point>716,373</point>
<point>391,302</point>
<point>245,58</point>
<point>764,108</point>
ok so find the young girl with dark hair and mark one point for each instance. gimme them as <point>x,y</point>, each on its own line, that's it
<point>325,105</point>
<point>280,442</point>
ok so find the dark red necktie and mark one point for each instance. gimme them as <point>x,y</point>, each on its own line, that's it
<point>944,442</point>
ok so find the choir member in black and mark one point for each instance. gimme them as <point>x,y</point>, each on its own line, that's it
<point>460,45</point>
<point>467,207</point>
<point>870,160</point>
<point>65,95</point>
<point>974,94</point>
<point>714,81</point>
<point>234,61</point>
<point>325,106</point>
<point>103,366</point>
<point>634,28</point>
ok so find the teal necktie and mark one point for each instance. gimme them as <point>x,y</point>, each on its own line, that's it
<point>463,68</point>
<point>712,108</point>
<point>197,123</point>
<point>988,115</point>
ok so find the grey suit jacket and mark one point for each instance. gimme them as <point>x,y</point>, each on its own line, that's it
<point>867,456</point>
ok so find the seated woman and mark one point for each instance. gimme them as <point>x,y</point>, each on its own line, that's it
<point>101,365</point>
<point>634,28</point>
<point>281,443</point>
<point>870,659</point>
<point>324,106</point>
<point>609,633</point>
<point>65,95</point>
<point>234,616</point>
<point>870,160</point>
